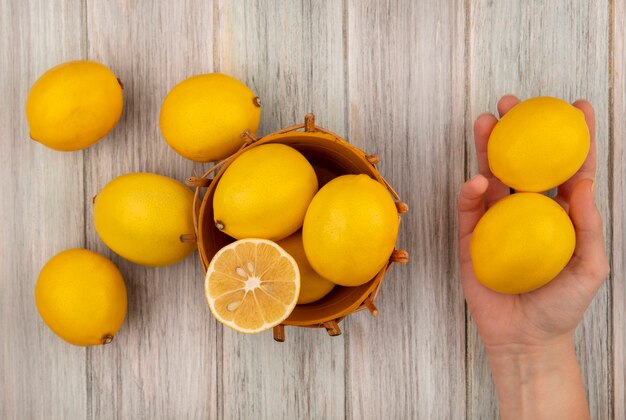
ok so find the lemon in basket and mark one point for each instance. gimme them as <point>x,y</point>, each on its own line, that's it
<point>264,193</point>
<point>350,229</point>
<point>202,118</point>
<point>313,287</point>
<point>252,285</point>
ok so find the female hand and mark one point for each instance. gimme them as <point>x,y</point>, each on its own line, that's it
<point>529,337</point>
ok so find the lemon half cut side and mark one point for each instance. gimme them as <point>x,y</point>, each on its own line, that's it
<point>252,285</point>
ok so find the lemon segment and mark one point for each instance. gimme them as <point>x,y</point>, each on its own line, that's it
<point>252,285</point>
<point>521,243</point>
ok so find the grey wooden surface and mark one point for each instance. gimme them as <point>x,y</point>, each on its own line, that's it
<point>404,79</point>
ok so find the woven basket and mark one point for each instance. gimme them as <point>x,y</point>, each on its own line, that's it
<point>331,156</point>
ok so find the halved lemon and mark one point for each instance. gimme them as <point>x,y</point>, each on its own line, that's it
<point>252,285</point>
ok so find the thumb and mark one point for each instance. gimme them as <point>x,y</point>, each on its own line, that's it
<point>589,255</point>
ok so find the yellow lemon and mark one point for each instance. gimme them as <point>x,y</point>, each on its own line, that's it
<point>252,285</point>
<point>264,193</point>
<point>312,286</point>
<point>539,144</point>
<point>141,216</point>
<point>203,117</point>
<point>73,105</point>
<point>521,243</point>
<point>350,230</point>
<point>81,296</point>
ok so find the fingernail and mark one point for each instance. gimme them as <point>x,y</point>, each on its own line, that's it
<point>593,187</point>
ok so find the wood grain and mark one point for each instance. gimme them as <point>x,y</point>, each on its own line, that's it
<point>291,55</point>
<point>403,79</point>
<point>406,89</point>
<point>163,363</point>
<point>41,214</point>
<point>561,49</point>
<point>618,269</point>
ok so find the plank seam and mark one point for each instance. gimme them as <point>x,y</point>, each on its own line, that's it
<point>84,154</point>
<point>216,36</point>
<point>468,91</point>
<point>347,408</point>
<point>219,336</point>
<point>611,192</point>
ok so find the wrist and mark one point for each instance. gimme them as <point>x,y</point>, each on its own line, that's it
<point>538,381</point>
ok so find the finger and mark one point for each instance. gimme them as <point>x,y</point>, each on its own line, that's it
<point>506,103</point>
<point>588,169</point>
<point>482,130</point>
<point>483,126</point>
<point>471,204</point>
<point>589,258</point>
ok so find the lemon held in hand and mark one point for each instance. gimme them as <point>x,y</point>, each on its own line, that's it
<point>73,105</point>
<point>81,296</point>
<point>350,230</point>
<point>521,243</point>
<point>539,144</point>
<point>141,216</point>
<point>264,193</point>
<point>203,117</point>
<point>313,287</point>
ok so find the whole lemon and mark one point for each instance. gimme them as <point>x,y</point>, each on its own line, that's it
<point>539,144</point>
<point>350,229</point>
<point>203,117</point>
<point>141,216</point>
<point>313,287</point>
<point>521,243</point>
<point>81,296</point>
<point>264,193</point>
<point>73,105</point>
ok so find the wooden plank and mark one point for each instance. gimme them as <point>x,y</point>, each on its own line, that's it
<point>291,55</point>
<point>41,214</point>
<point>560,49</point>
<point>618,269</point>
<point>163,362</point>
<point>406,99</point>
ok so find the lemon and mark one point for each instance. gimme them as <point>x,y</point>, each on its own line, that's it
<point>313,287</point>
<point>141,216</point>
<point>203,117</point>
<point>521,243</point>
<point>81,296</point>
<point>350,230</point>
<point>539,144</point>
<point>264,193</point>
<point>252,285</point>
<point>73,105</point>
